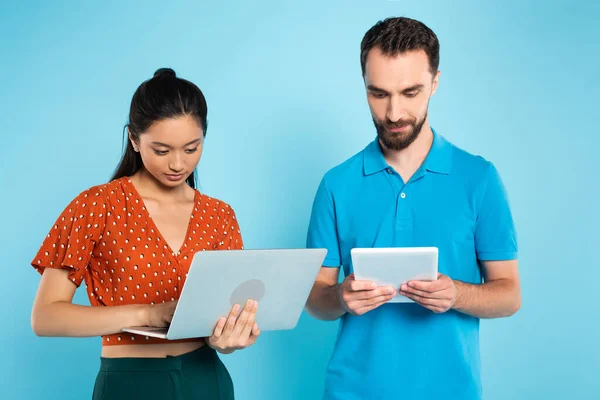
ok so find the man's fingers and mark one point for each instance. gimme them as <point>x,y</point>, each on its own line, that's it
<point>441,283</point>
<point>405,290</point>
<point>425,301</point>
<point>356,286</point>
<point>371,294</point>
<point>377,294</point>
<point>356,301</point>
<point>378,300</point>
<point>362,306</point>
<point>428,286</point>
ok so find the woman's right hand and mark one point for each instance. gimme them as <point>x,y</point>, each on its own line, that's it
<point>160,315</point>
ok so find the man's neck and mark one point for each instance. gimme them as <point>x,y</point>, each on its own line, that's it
<point>408,160</point>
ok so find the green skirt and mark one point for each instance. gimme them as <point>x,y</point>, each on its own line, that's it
<point>199,374</point>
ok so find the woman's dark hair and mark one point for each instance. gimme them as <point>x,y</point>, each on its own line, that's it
<point>161,97</point>
<point>399,35</point>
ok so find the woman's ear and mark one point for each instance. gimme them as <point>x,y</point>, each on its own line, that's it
<point>134,142</point>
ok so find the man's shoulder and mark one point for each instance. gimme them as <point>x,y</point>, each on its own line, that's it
<point>341,174</point>
<point>469,165</point>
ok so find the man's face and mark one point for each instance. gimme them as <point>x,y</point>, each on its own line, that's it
<point>398,92</point>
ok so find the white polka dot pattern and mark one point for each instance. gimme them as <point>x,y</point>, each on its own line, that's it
<point>106,238</point>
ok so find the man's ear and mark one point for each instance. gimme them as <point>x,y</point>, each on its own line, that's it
<point>436,81</point>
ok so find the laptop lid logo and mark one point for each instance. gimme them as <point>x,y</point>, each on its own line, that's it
<point>252,289</point>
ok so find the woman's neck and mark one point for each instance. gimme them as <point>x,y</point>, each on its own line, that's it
<point>148,186</point>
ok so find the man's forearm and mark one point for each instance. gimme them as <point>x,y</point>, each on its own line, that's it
<point>324,302</point>
<point>493,299</point>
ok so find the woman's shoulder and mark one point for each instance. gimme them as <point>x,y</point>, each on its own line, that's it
<point>228,224</point>
<point>213,204</point>
<point>105,190</point>
<point>98,196</point>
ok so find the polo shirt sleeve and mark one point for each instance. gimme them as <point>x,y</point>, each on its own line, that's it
<point>322,229</point>
<point>495,235</point>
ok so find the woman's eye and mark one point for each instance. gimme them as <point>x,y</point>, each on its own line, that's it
<point>160,152</point>
<point>190,151</point>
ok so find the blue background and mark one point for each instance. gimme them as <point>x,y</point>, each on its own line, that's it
<point>286,102</point>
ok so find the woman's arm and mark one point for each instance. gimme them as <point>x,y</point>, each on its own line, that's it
<point>54,314</point>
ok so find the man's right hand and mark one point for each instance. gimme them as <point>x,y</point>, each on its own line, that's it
<point>359,297</point>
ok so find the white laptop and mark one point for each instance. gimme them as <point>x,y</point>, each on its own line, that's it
<point>279,279</point>
<point>395,266</point>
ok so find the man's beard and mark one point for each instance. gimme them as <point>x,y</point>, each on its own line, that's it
<point>398,140</point>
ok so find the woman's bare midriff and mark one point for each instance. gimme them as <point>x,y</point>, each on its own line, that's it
<point>151,350</point>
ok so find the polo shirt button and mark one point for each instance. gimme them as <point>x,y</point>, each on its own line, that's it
<point>389,170</point>
<point>403,195</point>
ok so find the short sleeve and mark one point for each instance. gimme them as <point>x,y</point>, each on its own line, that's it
<point>231,238</point>
<point>322,229</point>
<point>73,237</point>
<point>495,235</point>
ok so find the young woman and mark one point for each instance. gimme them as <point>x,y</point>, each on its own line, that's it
<point>132,241</point>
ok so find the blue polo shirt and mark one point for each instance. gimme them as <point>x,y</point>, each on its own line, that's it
<point>456,202</point>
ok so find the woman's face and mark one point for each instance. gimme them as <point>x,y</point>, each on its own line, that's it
<point>171,149</point>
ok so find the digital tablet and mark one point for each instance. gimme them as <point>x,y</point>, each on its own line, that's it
<point>395,266</point>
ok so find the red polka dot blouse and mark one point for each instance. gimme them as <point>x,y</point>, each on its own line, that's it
<point>107,238</point>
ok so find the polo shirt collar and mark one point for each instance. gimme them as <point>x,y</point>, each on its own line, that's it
<point>438,160</point>
<point>374,161</point>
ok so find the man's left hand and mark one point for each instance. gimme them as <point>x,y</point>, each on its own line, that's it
<point>438,296</point>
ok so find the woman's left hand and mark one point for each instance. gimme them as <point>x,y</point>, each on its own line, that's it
<point>237,331</point>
